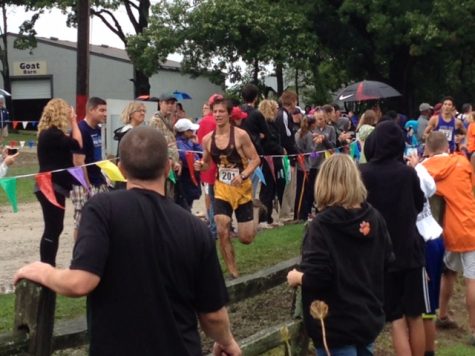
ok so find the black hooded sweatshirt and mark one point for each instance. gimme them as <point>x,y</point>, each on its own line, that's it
<point>394,190</point>
<point>344,264</point>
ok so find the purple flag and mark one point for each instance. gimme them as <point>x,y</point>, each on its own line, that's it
<point>78,173</point>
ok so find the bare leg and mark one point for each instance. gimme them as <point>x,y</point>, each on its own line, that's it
<point>400,337</point>
<point>247,231</point>
<point>430,331</point>
<point>416,335</point>
<point>408,336</point>
<point>470,301</point>
<point>225,244</point>
<point>447,282</point>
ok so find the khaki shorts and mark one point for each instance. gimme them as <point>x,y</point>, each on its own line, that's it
<point>463,262</point>
<point>80,195</point>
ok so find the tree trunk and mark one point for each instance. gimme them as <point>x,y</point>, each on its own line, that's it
<point>255,72</point>
<point>399,70</point>
<point>279,73</point>
<point>141,84</point>
<point>7,84</point>
<point>82,59</point>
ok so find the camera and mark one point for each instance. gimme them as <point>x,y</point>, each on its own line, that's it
<point>12,151</point>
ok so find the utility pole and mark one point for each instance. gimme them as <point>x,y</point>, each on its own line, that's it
<point>82,72</point>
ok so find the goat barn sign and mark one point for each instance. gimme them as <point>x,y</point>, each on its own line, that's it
<point>30,68</point>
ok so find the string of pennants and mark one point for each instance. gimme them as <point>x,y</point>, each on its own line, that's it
<point>24,124</point>
<point>21,144</point>
<point>111,171</point>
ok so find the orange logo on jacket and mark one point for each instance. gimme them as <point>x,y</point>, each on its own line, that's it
<point>365,228</point>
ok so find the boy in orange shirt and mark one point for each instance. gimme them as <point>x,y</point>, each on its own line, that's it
<point>453,177</point>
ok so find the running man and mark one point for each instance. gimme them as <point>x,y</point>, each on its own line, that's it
<point>446,122</point>
<point>236,159</point>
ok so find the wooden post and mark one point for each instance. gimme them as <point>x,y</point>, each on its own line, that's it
<point>34,315</point>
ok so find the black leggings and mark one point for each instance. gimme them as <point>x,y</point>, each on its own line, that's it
<point>54,221</point>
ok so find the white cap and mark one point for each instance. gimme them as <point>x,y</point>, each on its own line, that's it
<point>183,125</point>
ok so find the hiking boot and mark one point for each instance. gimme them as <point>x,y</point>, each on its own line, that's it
<point>446,323</point>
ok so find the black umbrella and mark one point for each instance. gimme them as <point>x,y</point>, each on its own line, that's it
<point>365,91</point>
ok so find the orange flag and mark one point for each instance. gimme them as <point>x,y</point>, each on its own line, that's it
<point>15,124</point>
<point>46,187</point>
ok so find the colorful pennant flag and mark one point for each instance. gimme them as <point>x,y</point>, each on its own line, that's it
<point>15,124</point>
<point>270,162</point>
<point>78,173</point>
<point>190,160</point>
<point>171,176</point>
<point>328,154</point>
<point>301,162</point>
<point>22,144</point>
<point>111,171</point>
<point>45,184</point>
<point>9,186</point>
<point>260,175</point>
<point>286,165</point>
<point>24,124</point>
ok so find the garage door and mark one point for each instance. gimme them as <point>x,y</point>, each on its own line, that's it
<point>31,89</point>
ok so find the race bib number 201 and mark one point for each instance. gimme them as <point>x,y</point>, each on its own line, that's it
<point>226,175</point>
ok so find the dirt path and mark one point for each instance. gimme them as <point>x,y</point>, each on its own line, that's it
<point>20,235</point>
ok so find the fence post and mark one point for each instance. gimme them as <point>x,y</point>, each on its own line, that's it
<point>300,340</point>
<point>34,315</point>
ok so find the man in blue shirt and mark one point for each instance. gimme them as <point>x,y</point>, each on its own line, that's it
<point>96,114</point>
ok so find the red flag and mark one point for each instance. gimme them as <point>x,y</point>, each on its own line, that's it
<point>15,124</point>
<point>190,160</point>
<point>270,162</point>
<point>301,161</point>
<point>46,187</point>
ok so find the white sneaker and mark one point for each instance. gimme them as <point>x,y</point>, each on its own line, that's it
<point>264,225</point>
<point>277,224</point>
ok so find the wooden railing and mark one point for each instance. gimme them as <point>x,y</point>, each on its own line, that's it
<point>35,332</point>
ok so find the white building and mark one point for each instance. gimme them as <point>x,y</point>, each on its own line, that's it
<point>49,70</point>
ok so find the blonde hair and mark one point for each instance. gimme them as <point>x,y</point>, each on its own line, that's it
<point>368,118</point>
<point>56,113</point>
<point>269,108</point>
<point>339,183</point>
<point>132,107</point>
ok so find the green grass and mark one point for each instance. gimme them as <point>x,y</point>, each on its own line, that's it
<point>24,187</point>
<point>269,248</point>
<point>20,135</point>
<point>66,308</point>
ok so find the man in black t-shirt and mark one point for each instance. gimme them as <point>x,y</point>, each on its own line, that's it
<point>149,268</point>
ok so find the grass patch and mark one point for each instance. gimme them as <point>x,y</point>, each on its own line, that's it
<point>24,186</point>
<point>20,135</point>
<point>66,308</point>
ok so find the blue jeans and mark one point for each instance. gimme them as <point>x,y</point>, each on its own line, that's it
<point>212,223</point>
<point>349,350</point>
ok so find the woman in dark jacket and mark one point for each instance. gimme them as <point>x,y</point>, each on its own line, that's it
<point>55,147</point>
<point>271,146</point>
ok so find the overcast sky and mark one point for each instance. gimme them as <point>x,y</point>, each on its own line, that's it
<point>53,24</point>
